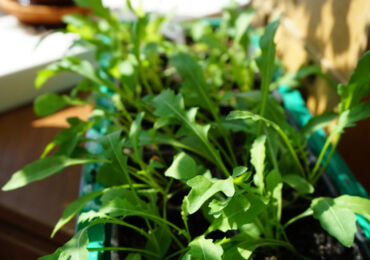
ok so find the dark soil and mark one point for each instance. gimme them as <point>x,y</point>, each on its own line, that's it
<point>311,241</point>
<point>308,238</point>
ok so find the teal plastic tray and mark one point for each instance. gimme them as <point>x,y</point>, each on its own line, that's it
<point>337,169</point>
<point>294,104</point>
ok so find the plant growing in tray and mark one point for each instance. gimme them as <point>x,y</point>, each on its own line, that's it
<point>198,160</point>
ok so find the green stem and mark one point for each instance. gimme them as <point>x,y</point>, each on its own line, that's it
<point>322,154</point>
<point>222,150</point>
<point>306,213</point>
<point>292,151</point>
<point>328,159</point>
<point>176,253</point>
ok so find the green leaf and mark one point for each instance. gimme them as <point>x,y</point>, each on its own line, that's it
<point>203,188</point>
<point>53,256</point>
<point>95,5</point>
<point>237,171</point>
<point>358,86</point>
<point>349,117</point>
<point>125,207</point>
<point>113,150</point>
<point>338,222</point>
<point>73,209</point>
<point>135,130</point>
<point>41,169</point>
<point>168,105</point>
<point>242,24</point>
<point>301,185</point>
<point>252,116</point>
<point>162,235</point>
<point>356,204</point>
<point>133,256</point>
<point>242,246</point>
<point>48,104</point>
<point>109,174</point>
<point>69,64</point>
<point>203,249</point>
<point>274,186</point>
<point>234,115</point>
<point>192,74</point>
<point>241,209</point>
<point>258,155</point>
<point>68,139</point>
<point>182,168</point>
<point>74,249</point>
<point>266,61</point>
<point>317,122</point>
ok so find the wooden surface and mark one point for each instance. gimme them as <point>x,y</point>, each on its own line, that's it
<point>30,213</point>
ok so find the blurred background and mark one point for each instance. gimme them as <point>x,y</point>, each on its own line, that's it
<point>332,34</point>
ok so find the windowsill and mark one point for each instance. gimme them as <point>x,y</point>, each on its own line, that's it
<point>22,55</point>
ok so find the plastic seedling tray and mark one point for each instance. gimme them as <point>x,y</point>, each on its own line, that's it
<point>338,173</point>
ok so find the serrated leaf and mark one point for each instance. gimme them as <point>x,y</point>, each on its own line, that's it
<point>349,117</point>
<point>192,74</point>
<point>258,155</point>
<point>301,185</point>
<point>358,85</point>
<point>338,222</point>
<point>73,209</point>
<point>216,206</point>
<point>203,249</point>
<point>167,104</point>
<point>255,117</point>
<point>41,169</point>
<point>355,204</point>
<point>203,188</point>
<point>182,168</point>
<point>241,209</point>
<point>317,122</point>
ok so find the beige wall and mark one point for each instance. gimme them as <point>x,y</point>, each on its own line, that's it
<point>332,33</point>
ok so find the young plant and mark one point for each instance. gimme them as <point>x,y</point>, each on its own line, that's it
<point>193,158</point>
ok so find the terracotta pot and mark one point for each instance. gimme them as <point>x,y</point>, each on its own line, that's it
<point>47,2</point>
<point>40,14</point>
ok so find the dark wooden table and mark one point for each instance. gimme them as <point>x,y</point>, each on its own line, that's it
<point>28,215</point>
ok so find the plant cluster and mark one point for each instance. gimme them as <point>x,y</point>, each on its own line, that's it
<point>195,152</point>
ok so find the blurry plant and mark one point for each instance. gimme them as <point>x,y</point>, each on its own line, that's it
<point>189,130</point>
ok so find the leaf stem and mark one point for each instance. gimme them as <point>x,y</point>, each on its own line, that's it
<point>328,159</point>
